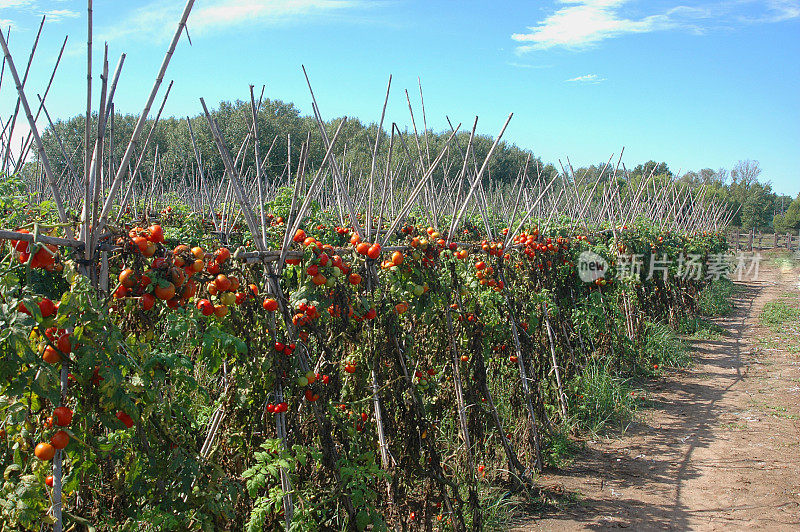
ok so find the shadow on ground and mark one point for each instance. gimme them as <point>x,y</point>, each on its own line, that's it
<point>691,410</point>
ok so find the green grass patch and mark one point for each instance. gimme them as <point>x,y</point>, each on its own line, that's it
<point>499,507</point>
<point>697,328</point>
<point>780,312</point>
<point>663,347</point>
<point>559,449</point>
<point>715,299</point>
<point>601,399</point>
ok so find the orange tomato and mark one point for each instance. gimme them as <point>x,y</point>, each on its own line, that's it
<point>165,291</point>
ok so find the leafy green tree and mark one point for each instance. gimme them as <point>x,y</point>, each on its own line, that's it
<point>790,220</point>
<point>758,206</point>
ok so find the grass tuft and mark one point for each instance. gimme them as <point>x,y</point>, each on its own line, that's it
<point>780,312</point>
<point>697,328</point>
<point>601,399</point>
<point>715,299</point>
<point>663,347</point>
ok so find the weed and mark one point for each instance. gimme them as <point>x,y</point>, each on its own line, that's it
<point>715,298</point>
<point>697,328</point>
<point>559,449</point>
<point>602,399</point>
<point>778,313</point>
<point>663,348</point>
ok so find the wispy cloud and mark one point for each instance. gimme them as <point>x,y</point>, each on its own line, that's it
<point>777,11</point>
<point>226,13</point>
<point>584,23</point>
<point>14,4</point>
<point>158,18</point>
<point>57,15</point>
<point>526,65</point>
<point>588,78</point>
<point>581,24</point>
<point>27,8</point>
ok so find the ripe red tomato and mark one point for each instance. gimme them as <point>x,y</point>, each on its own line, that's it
<point>50,355</point>
<point>362,248</point>
<point>156,233</point>
<point>374,251</point>
<point>125,418</point>
<point>165,290</point>
<point>206,307</point>
<point>60,439</point>
<point>62,416</point>
<point>63,344</point>
<point>147,301</point>
<point>44,451</point>
<point>49,481</point>
<point>47,307</point>
<point>222,282</point>
<point>127,278</point>
<point>222,255</point>
<point>141,243</point>
<point>270,305</point>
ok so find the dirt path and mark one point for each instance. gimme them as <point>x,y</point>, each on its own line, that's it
<point>717,450</point>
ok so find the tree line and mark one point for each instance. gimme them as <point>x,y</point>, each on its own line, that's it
<point>282,130</point>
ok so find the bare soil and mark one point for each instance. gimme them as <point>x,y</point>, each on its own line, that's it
<point>717,448</point>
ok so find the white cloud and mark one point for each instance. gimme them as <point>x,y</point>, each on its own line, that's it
<point>526,65</point>
<point>14,4</point>
<point>57,15</point>
<point>777,11</point>
<point>226,13</point>
<point>581,24</point>
<point>584,23</point>
<point>159,19</point>
<point>588,78</point>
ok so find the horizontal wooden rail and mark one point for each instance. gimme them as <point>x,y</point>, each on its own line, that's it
<point>758,240</point>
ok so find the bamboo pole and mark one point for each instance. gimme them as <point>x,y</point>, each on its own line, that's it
<point>123,166</point>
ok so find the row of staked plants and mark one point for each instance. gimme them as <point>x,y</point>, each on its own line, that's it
<point>205,392</point>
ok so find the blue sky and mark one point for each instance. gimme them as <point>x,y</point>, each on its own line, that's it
<point>695,84</point>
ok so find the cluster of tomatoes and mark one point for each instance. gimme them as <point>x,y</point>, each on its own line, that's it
<point>223,289</point>
<point>360,419</point>
<point>285,349</point>
<point>423,378</point>
<point>307,380</point>
<point>277,408</point>
<point>324,267</point>
<point>372,251</point>
<point>488,276</point>
<point>62,417</point>
<point>503,349</point>
<point>544,251</point>
<point>175,277</point>
<point>56,342</point>
<point>44,256</point>
<point>159,279</point>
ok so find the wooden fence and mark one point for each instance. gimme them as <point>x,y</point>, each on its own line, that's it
<point>757,240</point>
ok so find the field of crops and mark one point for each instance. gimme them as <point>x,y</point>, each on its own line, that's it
<point>316,350</point>
<point>355,386</point>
